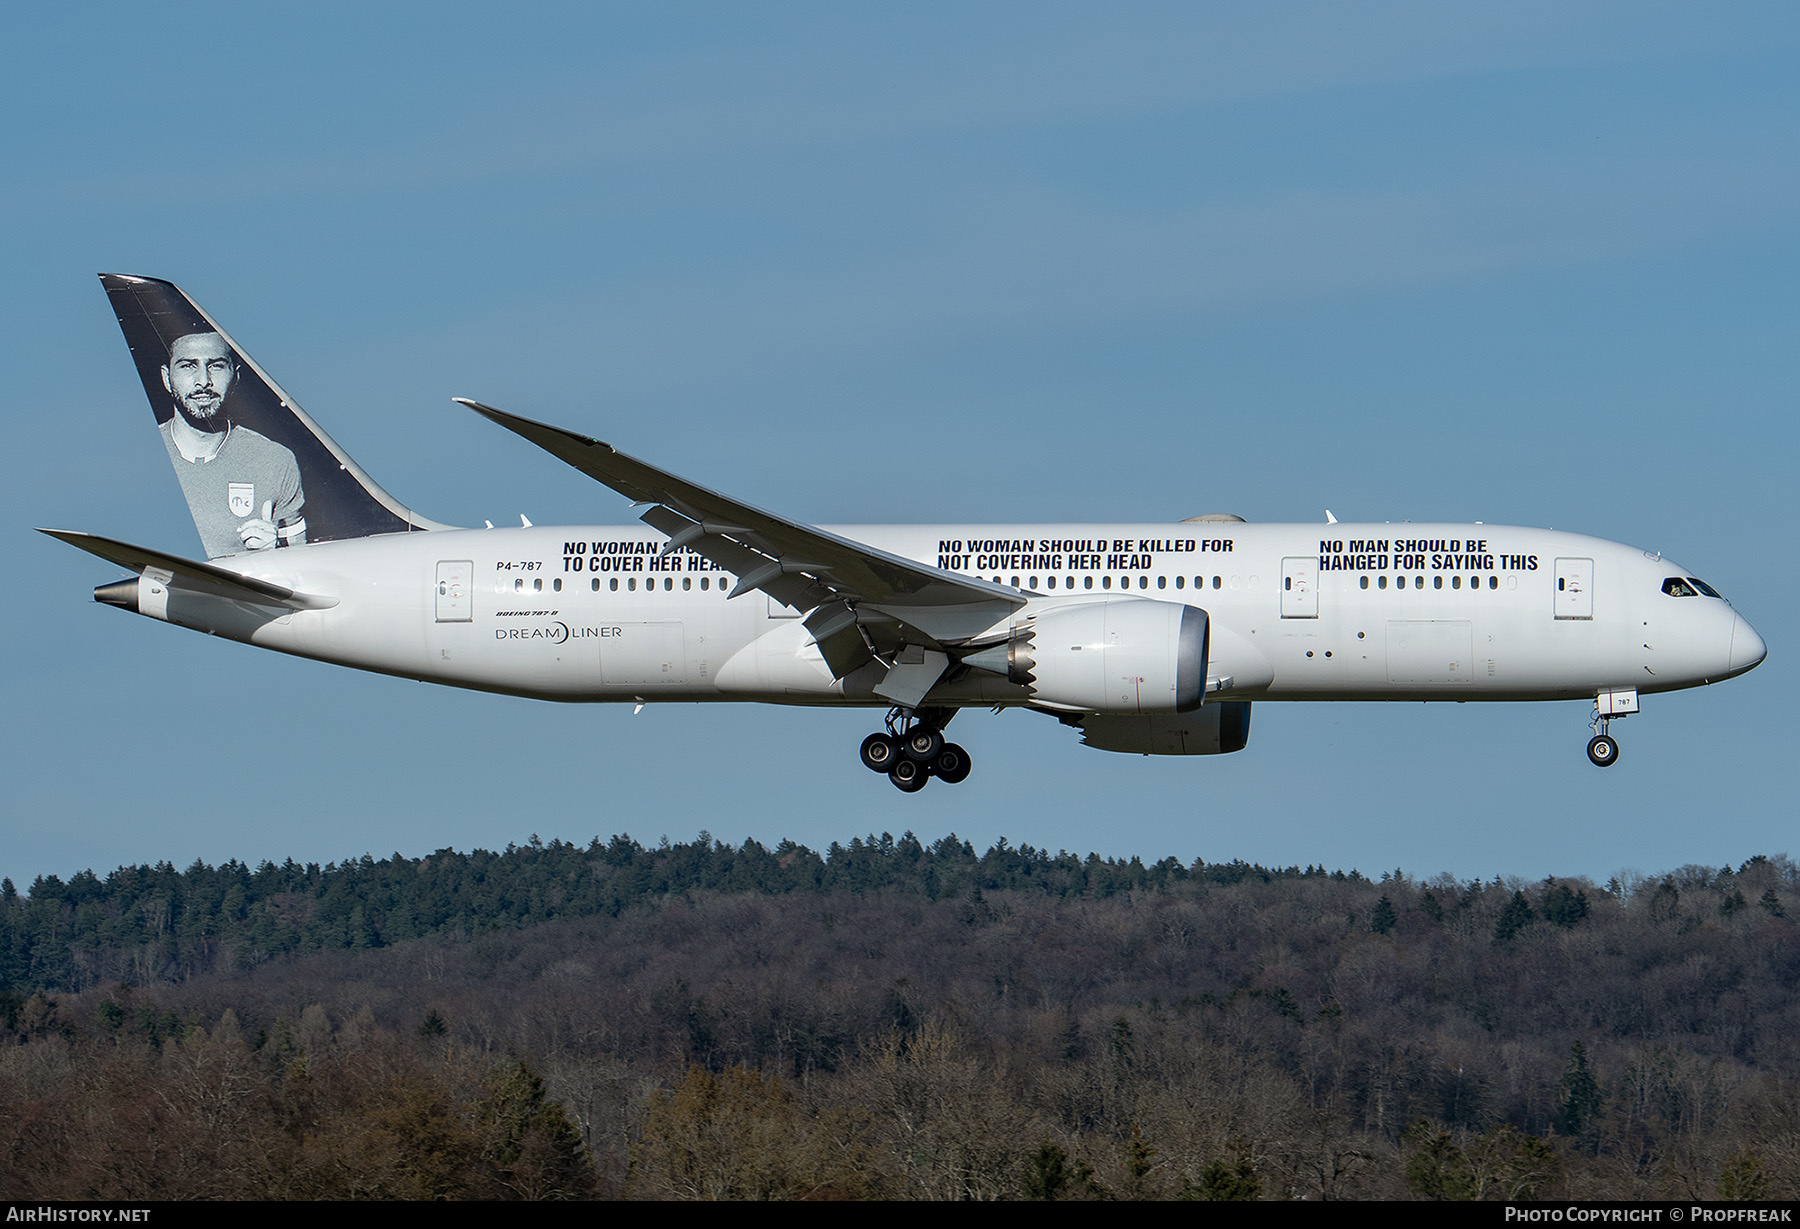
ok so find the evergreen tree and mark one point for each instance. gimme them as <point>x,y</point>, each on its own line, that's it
<point>1515,917</point>
<point>1049,1174</point>
<point>1579,1096</point>
<point>1743,1180</point>
<point>1563,907</point>
<point>532,1149</point>
<point>1223,1180</point>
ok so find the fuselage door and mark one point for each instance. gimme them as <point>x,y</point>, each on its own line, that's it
<point>1574,588</point>
<point>1300,587</point>
<point>455,580</point>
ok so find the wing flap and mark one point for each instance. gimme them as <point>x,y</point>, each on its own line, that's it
<point>789,588</point>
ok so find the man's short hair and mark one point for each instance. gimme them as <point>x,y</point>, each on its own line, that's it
<point>229,352</point>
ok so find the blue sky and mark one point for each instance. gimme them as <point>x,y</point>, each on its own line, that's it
<point>1528,264</point>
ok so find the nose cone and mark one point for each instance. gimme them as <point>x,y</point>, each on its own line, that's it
<point>1747,648</point>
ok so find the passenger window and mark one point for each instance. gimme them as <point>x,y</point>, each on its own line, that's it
<point>1050,583</point>
<point>1087,582</point>
<point>1381,582</point>
<point>1218,582</point>
<point>1493,582</point>
<point>612,584</point>
<point>1143,582</point>
<point>1068,582</point>
<point>1399,582</point>
<point>668,582</point>
<point>1034,582</point>
<point>1365,582</point>
<point>1418,582</point>
<point>1162,582</point>
<point>1180,581</point>
<point>705,582</point>
<point>631,585</point>
<point>1456,582</point>
<point>1106,582</point>
<point>1437,582</point>
<point>519,585</point>
<point>687,582</point>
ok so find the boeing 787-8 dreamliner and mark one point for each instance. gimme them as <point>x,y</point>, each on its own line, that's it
<point>1148,638</point>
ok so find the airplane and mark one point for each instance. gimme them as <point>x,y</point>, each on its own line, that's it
<point>1153,639</point>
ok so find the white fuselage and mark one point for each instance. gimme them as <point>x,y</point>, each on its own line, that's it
<point>1297,612</point>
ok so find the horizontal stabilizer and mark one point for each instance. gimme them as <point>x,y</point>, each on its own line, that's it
<point>205,577</point>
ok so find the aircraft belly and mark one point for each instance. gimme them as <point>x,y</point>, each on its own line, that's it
<point>781,663</point>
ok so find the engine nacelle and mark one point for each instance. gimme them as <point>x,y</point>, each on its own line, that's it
<point>1128,655</point>
<point>1217,729</point>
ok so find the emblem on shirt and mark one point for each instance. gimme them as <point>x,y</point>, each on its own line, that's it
<point>240,497</point>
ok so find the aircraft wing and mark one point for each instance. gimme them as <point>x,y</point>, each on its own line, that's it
<point>846,584</point>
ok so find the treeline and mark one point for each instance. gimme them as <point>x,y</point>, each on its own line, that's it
<point>148,924</point>
<point>1255,1035</point>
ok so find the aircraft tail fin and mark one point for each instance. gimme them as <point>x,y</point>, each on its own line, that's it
<point>256,470</point>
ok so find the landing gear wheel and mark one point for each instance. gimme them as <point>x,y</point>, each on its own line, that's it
<point>909,777</point>
<point>952,764</point>
<point>879,753</point>
<point>921,744</point>
<point>1603,750</point>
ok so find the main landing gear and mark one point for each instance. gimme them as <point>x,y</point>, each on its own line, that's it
<point>913,750</point>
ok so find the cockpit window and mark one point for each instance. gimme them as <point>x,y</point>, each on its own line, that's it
<point>1705,588</point>
<point>1675,586</point>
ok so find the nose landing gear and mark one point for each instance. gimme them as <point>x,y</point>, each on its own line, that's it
<point>913,750</point>
<point>1603,750</point>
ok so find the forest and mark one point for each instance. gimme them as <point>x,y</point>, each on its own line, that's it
<point>894,1019</point>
